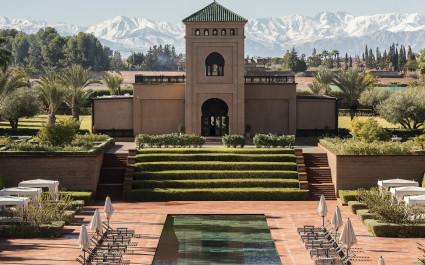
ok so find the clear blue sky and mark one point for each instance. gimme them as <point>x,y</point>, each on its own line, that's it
<point>85,12</point>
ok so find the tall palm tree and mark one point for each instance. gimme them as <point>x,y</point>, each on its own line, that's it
<point>352,83</point>
<point>324,78</point>
<point>113,82</point>
<point>5,56</point>
<point>315,88</point>
<point>53,93</point>
<point>75,79</point>
<point>10,80</point>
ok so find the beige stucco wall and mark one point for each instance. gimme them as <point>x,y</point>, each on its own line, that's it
<point>113,113</point>
<point>271,108</point>
<point>352,172</point>
<point>158,108</point>
<point>74,172</point>
<point>316,114</point>
<point>229,88</point>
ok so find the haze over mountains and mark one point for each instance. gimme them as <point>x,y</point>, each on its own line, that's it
<point>265,36</point>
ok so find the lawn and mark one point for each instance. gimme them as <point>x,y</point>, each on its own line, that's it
<point>40,120</point>
<point>345,122</point>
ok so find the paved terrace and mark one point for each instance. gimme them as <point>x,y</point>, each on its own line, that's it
<point>148,218</point>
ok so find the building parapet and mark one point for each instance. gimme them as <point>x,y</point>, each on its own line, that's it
<point>269,77</point>
<point>157,79</point>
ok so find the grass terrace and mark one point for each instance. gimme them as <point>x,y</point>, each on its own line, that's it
<point>215,174</point>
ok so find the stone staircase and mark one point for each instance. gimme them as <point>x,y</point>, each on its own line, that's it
<point>213,141</point>
<point>112,175</point>
<point>319,176</point>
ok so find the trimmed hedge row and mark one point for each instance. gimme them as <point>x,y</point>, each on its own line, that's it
<point>160,166</point>
<point>394,230</point>
<point>244,194</point>
<point>55,229</point>
<point>216,150</point>
<point>233,140</point>
<point>356,205</point>
<point>364,214</point>
<point>272,140</point>
<point>227,157</point>
<point>85,196</point>
<point>166,140</point>
<point>214,174</point>
<point>216,183</point>
<point>347,195</point>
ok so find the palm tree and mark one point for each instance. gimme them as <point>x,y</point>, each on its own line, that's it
<point>352,83</point>
<point>75,79</point>
<point>315,88</point>
<point>10,80</point>
<point>324,78</point>
<point>5,56</point>
<point>113,82</point>
<point>53,93</point>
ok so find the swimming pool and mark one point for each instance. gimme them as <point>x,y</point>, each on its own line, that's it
<point>216,239</point>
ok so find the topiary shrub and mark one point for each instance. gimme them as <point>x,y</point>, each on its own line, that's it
<point>167,140</point>
<point>347,195</point>
<point>368,130</point>
<point>233,140</point>
<point>59,134</point>
<point>356,205</point>
<point>272,140</point>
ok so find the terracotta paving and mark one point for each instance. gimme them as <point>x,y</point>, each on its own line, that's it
<point>148,218</point>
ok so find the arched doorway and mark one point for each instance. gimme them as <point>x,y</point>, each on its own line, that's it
<point>215,119</point>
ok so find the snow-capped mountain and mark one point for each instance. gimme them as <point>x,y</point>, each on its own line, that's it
<point>265,36</point>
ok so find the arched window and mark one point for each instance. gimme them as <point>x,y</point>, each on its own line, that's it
<point>214,64</point>
<point>232,32</point>
<point>215,32</point>
<point>206,32</point>
<point>197,32</point>
<point>223,32</point>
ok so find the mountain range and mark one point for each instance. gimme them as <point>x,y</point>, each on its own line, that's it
<point>264,36</point>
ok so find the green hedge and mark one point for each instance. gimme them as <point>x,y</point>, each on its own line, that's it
<point>215,174</point>
<point>244,194</point>
<point>271,140</point>
<point>227,157</point>
<point>55,229</point>
<point>347,195</point>
<point>394,230</point>
<point>68,216</point>
<point>168,140</point>
<point>355,205</point>
<point>216,183</point>
<point>364,214</point>
<point>77,205</point>
<point>217,150</point>
<point>159,166</point>
<point>233,140</point>
<point>85,196</point>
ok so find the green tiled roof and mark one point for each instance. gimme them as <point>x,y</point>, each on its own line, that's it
<point>214,12</point>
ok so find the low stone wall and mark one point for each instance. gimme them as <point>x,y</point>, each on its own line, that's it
<point>362,171</point>
<point>74,170</point>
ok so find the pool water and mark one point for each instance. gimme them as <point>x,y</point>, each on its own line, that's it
<point>216,239</point>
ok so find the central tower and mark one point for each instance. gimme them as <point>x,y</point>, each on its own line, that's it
<point>215,68</point>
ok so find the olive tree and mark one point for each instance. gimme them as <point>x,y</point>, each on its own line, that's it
<point>406,107</point>
<point>374,96</point>
<point>19,104</point>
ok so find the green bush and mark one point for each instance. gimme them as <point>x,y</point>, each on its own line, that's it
<point>355,147</point>
<point>365,215</point>
<point>382,229</point>
<point>233,140</point>
<point>356,205</point>
<point>85,196</point>
<point>228,157</point>
<point>5,141</point>
<point>88,140</point>
<point>60,134</point>
<point>215,174</point>
<point>347,195</point>
<point>271,140</point>
<point>53,229</point>
<point>216,183</point>
<point>245,194</point>
<point>167,140</point>
<point>33,147</point>
<point>419,141</point>
<point>210,150</point>
<point>368,131</point>
<point>159,166</point>
<point>68,216</point>
<point>76,205</point>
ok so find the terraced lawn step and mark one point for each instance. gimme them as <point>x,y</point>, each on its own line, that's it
<point>227,157</point>
<point>216,183</point>
<point>245,194</point>
<point>173,165</point>
<point>214,174</point>
<point>217,150</point>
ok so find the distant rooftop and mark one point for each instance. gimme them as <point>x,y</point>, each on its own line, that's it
<point>215,12</point>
